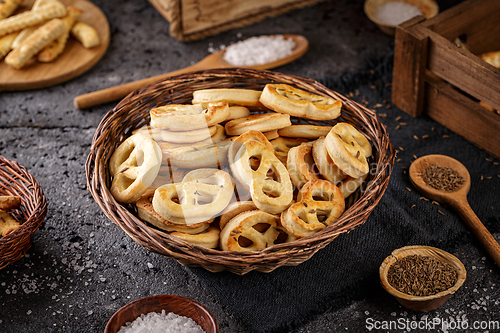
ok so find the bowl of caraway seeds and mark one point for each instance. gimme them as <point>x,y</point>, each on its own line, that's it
<point>421,278</point>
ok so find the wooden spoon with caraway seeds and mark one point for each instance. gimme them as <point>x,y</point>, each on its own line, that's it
<point>447,181</point>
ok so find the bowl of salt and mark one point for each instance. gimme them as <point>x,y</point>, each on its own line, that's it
<point>388,14</point>
<point>162,313</point>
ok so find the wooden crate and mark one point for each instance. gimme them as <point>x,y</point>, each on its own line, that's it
<point>433,75</point>
<point>196,19</point>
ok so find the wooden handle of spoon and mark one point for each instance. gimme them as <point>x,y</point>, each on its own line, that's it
<point>477,227</point>
<point>118,92</point>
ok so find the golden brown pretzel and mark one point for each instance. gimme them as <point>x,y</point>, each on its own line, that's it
<point>300,103</point>
<point>208,238</point>
<point>183,117</point>
<point>348,149</point>
<point>311,132</point>
<point>350,185</point>
<point>282,146</point>
<point>257,122</point>
<point>146,212</point>
<point>239,97</point>
<point>233,209</point>
<point>319,204</point>
<point>207,156</point>
<point>134,166</point>
<point>202,194</point>
<point>269,183</point>
<point>253,230</point>
<point>324,162</point>
<point>301,166</point>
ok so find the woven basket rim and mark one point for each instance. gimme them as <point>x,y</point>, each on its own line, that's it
<point>16,180</point>
<point>266,259</point>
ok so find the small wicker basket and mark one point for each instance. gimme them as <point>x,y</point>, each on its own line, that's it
<point>133,112</point>
<point>15,180</point>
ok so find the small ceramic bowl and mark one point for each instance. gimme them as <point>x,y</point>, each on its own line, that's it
<point>429,9</point>
<point>421,303</point>
<point>179,305</point>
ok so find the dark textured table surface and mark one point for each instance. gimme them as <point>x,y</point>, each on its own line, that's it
<point>81,267</point>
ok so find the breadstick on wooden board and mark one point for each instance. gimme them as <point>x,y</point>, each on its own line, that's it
<point>86,35</point>
<point>56,47</point>
<point>7,7</point>
<point>35,43</point>
<point>32,17</point>
<point>6,43</point>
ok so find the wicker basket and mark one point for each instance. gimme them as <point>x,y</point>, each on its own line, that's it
<point>15,180</point>
<point>133,112</point>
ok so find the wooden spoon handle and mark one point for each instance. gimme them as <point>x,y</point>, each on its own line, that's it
<point>118,92</point>
<point>477,227</point>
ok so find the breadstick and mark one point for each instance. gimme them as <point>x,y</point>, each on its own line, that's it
<point>32,17</point>
<point>7,7</point>
<point>34,43</point>
<point>86,35</point>
<point>56,47</point>
<point>9,202</point>
<point>6,43</point>
<point>7,223</point>
<point>29,30</point>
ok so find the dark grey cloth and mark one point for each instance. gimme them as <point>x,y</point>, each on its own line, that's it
<point>347,269</point>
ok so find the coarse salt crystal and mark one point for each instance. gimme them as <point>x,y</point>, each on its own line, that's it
<point>258,50</point>
<point>396,12</point>
<point>161,322</point>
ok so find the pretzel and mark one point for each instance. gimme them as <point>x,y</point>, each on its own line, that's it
<point>343,146</point>
<point>350,185</point>
<point>7,223</point>
<point>208,238</point>
<point>211,155</point>
<point>233,209</point>
<point>56,47</point>
<point>237,111</point>
<point>7,7</point>
<point>146,212</point>
<point>202,194</point>
<point>134,166</point>
<point>270,185</point>
<point>32,17</point>
<point>324,162</point>
<point>6,43</point>
<point>304,131</point>
<point>197,135</point>
<point>300,165</point>
<point>271,135</point>
<point>493,58</point>
<point>296,102</point>
<point>235,97</point>
<point>257,122</point>
<point>182,117</point>
<point>319,204</point>
<point>282,146</point>
<point>85,34</point>
<point>8,202</point>
<point>253,230</point>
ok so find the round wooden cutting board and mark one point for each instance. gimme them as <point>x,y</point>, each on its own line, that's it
<point>74,61</point>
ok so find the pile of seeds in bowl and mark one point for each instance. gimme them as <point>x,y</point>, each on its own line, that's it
<point>419,275</point>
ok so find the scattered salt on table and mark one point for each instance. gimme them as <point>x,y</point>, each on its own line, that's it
<point>161,323</point>
<point>396,12</point>
<point>258,50</point>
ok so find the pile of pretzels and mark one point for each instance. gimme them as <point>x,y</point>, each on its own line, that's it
<point>231,172</point>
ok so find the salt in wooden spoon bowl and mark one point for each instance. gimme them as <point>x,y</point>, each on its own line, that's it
<point>456,199</point>
<point>214,60</point>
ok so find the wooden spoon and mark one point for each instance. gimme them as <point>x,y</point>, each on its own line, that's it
<point>214,60</point>
<point>456,199</point>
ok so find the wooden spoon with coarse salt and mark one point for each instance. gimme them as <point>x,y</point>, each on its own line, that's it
<point>455,196</point>
<point>214,60</point>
